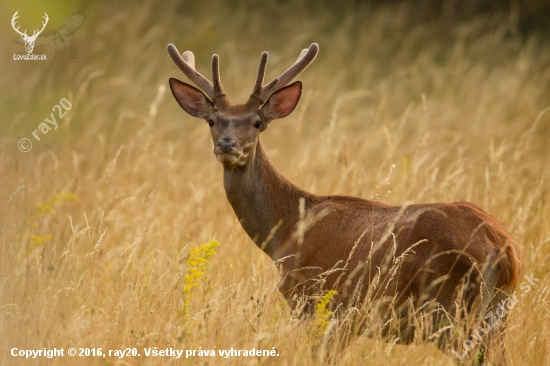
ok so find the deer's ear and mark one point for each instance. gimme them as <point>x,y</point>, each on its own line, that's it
<point>191,99</point>
<point>282,102</point>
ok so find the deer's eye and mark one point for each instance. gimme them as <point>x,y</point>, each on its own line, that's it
<point>257,124</point>
<point>210,123</point>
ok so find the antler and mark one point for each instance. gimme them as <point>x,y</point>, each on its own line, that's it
<point>186,63</point>
<point>13,19</point>
<point>262,93</point>
<point>37,32</point>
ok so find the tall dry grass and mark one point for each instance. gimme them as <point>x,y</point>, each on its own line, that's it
<point>392,110</point>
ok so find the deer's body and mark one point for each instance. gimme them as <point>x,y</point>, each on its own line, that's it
<point>450,236</point>
<point>447,253</point>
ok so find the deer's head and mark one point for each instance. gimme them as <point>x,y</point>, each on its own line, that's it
<point>235,128</point>
<point>29,40</point>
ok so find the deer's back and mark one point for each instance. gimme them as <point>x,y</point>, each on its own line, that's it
<point>357,238</point>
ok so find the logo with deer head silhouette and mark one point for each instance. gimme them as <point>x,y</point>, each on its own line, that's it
<point>29,41</point>
<point>57,39</point>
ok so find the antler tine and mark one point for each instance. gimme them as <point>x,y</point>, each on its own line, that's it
<point>189,58</point>
<point>258,84</point>
<point>303,61</point>
<point>187,65</point>
<point>218,88</point>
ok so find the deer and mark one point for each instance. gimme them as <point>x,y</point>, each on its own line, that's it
<point>445,260</point>
<point>29,40</point>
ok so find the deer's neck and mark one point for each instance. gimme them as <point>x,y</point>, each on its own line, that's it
<point>265,203</point>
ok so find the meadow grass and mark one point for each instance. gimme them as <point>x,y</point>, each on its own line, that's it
<point>103,221</point>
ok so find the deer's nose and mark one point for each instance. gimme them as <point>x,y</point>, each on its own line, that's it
<point>226,144</point>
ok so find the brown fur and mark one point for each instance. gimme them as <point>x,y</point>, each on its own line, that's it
<point>262,199</point>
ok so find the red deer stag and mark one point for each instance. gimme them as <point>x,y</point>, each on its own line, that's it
<point>453,255</point>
